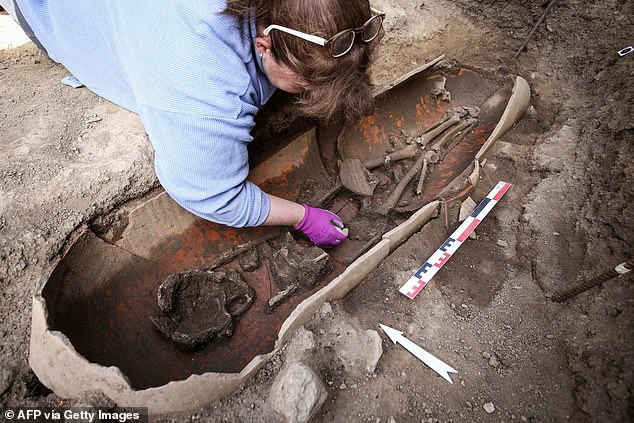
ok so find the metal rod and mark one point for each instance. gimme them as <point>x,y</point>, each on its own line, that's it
<point>597,280</point>
<point>539,22</point>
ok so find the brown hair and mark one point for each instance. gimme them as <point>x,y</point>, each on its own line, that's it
<point>338,88</point>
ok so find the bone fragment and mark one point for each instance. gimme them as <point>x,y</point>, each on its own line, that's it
<point>321,257</point>
<point>430,135</point>
<point>229,255</point>
<point>440,122</point>
<point>404,153</point>
<point>461,112</point>
<point>281,297</point>
<point>439,82</point>
<point>450,134</point>
<point>473,112</point>
<point>356,178</point>
<point>421,180</point>
<point>475,175</point>
<point>439,89</point>
<point>392,200</point>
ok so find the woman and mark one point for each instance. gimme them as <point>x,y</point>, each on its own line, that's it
<point>197,72</point>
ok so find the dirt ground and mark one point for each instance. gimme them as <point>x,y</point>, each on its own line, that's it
<point>67,156</point>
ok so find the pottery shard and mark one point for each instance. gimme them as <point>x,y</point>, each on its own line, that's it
<point>199,305</point>
<point>293,264</point>
<point>466,208</point>
<point>356,178</point>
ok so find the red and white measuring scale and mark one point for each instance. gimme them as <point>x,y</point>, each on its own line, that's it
<point>421,278</point>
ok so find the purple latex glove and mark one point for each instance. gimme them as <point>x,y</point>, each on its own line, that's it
<point>324,228</point>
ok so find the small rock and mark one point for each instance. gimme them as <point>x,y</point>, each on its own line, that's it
<point>550,336</point>
<point>325,309</point>
<point>502,243</point>
<point>342,386</point>
<point>391,419</point>
<point>489,407</point>
<point>410,329</point>
<point>297,393</point>
<point>302,342</point>
<point>359,350</point>
<point>494,362</point>
<point>486,355</point>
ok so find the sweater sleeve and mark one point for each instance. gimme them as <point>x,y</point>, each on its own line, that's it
<point>202,163</point>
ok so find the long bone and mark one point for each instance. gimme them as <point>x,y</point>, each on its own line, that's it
<point>430,135</point>
<point>449,144</point>
<point>392,200</point>
<point>404,153</point>
<point>354,174</point>
<point>421,180</point>
<point>450,134</point>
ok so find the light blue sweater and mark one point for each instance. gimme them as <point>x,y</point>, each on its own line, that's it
<point>190,72</point>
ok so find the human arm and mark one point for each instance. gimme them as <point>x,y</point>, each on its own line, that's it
<point>202,163</point>
<point>322,227</point>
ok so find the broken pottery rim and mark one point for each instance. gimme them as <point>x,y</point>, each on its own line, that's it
<point>119,387</point>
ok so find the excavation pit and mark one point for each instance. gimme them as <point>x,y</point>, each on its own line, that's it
<point>92,324</point>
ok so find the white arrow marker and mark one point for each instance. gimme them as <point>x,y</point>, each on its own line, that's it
<point>436,365</point>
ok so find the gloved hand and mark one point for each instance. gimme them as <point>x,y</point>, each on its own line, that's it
<point>324,228</point>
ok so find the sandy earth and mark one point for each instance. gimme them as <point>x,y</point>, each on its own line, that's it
<point>67,156</point>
